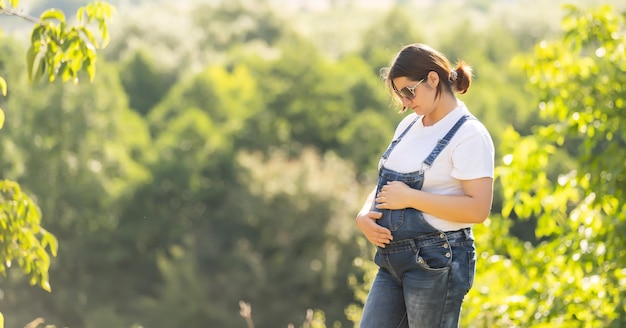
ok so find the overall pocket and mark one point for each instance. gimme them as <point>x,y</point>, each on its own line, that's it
<point>434,257</point>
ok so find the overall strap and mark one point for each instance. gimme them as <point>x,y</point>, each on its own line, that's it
<point>446,139</point>
<point>395,141</point>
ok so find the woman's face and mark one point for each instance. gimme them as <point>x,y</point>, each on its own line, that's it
<point>418,96</point>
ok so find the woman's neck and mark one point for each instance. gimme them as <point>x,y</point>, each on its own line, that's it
<point>444,106</point>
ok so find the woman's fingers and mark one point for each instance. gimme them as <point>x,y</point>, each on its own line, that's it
<point>374,233</point>
<point>382,238</point>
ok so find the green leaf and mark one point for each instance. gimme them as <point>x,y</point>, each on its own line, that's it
<point>48,240</point>
<point>65,71</point>
<point>87,33</point>
<point>35,36</point>
<point>30,61</point>
<point>53,14</point>
<point>105,35</point>
<point>3,86</point>
<point>36,66</point>
<point>45,285</point>
<point>80,14</point>
<point>90,66</point>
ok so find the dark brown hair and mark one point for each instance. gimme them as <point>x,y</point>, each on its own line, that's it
<point>416,60</point>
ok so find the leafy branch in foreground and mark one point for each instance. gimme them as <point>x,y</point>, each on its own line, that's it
<point>57,49</point>
<point>22,239</point>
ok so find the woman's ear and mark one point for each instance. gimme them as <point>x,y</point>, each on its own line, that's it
<point>433,78</point>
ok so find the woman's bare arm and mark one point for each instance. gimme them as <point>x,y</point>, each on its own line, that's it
<point>472,207</point>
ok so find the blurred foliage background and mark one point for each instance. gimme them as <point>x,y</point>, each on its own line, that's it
<point>224,148</point>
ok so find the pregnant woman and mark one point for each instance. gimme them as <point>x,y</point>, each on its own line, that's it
<point>435,181</point>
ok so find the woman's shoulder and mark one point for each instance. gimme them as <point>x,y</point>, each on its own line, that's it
<point>473,134</point>
<point>474,125</point>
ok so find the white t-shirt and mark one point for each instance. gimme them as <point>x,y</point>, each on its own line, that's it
<point>469,155</point>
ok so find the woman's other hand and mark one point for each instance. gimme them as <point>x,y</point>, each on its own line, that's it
<point>376,234</point>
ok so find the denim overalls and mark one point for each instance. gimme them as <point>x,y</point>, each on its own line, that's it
<point>424,273</point>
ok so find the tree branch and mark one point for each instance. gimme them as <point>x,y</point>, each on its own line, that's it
<point>13,12</point>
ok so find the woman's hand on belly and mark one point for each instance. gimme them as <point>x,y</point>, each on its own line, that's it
<point>376,234</point>
<point>395,195</point>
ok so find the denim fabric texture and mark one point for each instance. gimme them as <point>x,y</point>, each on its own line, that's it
<point>424,273</point>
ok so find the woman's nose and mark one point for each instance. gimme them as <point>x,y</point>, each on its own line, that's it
<point>406,101</point>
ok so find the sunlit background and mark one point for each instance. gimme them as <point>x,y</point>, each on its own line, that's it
<point>210,174</point>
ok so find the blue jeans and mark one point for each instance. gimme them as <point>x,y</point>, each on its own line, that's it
<point>421,282</point>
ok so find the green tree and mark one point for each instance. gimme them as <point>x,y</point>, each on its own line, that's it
<point>277,238</point>
<point>145,82</point>
<point>232,23</point>
<point>371,120</point>
<point>574,275</point>
<point>318,102</point>
<point>382,40</point>
<point>76,143</point>
<point>229,98</point>
<point>304,102</point>
<point>192,166</point>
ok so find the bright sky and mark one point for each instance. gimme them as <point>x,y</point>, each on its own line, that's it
<point>315,5</point>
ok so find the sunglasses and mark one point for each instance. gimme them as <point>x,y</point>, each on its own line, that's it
<point>408,92</point>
